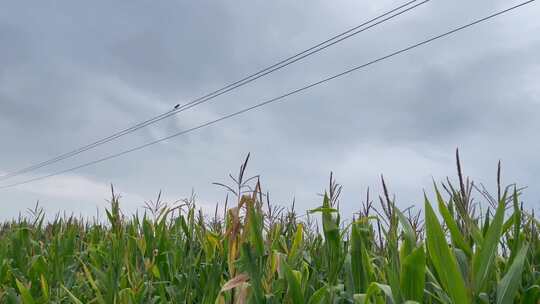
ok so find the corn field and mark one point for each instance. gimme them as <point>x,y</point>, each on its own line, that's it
<point>452,249</point>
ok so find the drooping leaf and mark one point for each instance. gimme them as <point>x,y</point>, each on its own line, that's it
<point>235,282</point>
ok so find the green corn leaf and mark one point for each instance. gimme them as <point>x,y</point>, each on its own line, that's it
<point>509,284</point>
<point>293,283</point>
<point>485,256</point>
<point>442,258</point>
<point>413,273</point>
<point>323,209</point>
<point>463,262</point>
<point>319,296</point>
<point>487,222</point>
<point>254,272</point>
<point>455,233</point>
<point>508,224</point>
<point>381,292</point>
<point>393,267</point>
<point>360,298</point>
<point>330,223</point>
<point>359,267</point>
<point>531,295</point>
<point>476,233</point>
<point>93,284</point>
<point>409,241</point>
<point>25,293</point>
<point>72,296</point>
<point>517,226</point>
<point>377,288</point>
<point>297,242</point>
<point>347,279</point>
<point>255,229</point>
<point>44,287</point>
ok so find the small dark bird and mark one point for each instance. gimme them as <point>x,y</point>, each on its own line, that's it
<point>177,106</point>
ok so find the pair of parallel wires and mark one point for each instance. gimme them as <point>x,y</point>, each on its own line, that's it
<point>406,7</point>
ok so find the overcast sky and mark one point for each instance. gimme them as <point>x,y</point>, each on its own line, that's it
<point>74,72</point>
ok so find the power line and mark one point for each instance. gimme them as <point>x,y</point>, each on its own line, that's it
<point>275,99</point>
<point>180,108</point>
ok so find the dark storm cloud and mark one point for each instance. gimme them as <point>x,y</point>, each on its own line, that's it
<point>73,72</point>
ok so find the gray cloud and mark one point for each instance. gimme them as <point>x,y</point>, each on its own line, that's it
<point>71,73</point>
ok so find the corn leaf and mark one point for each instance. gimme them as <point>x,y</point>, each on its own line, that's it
<point>508,286</point>
<point>359,260</point>
<point>25,293</point>
<point>485,256</point>
<point>293,283</point>
<point>413,273</point>
<point>455,233</point>
<point>442,258</point>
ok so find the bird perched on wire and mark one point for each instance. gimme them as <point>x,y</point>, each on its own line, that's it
<point>176,106</point>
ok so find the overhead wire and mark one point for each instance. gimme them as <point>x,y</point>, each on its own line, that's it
<point>278,98</point>
<point>207,97</point>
